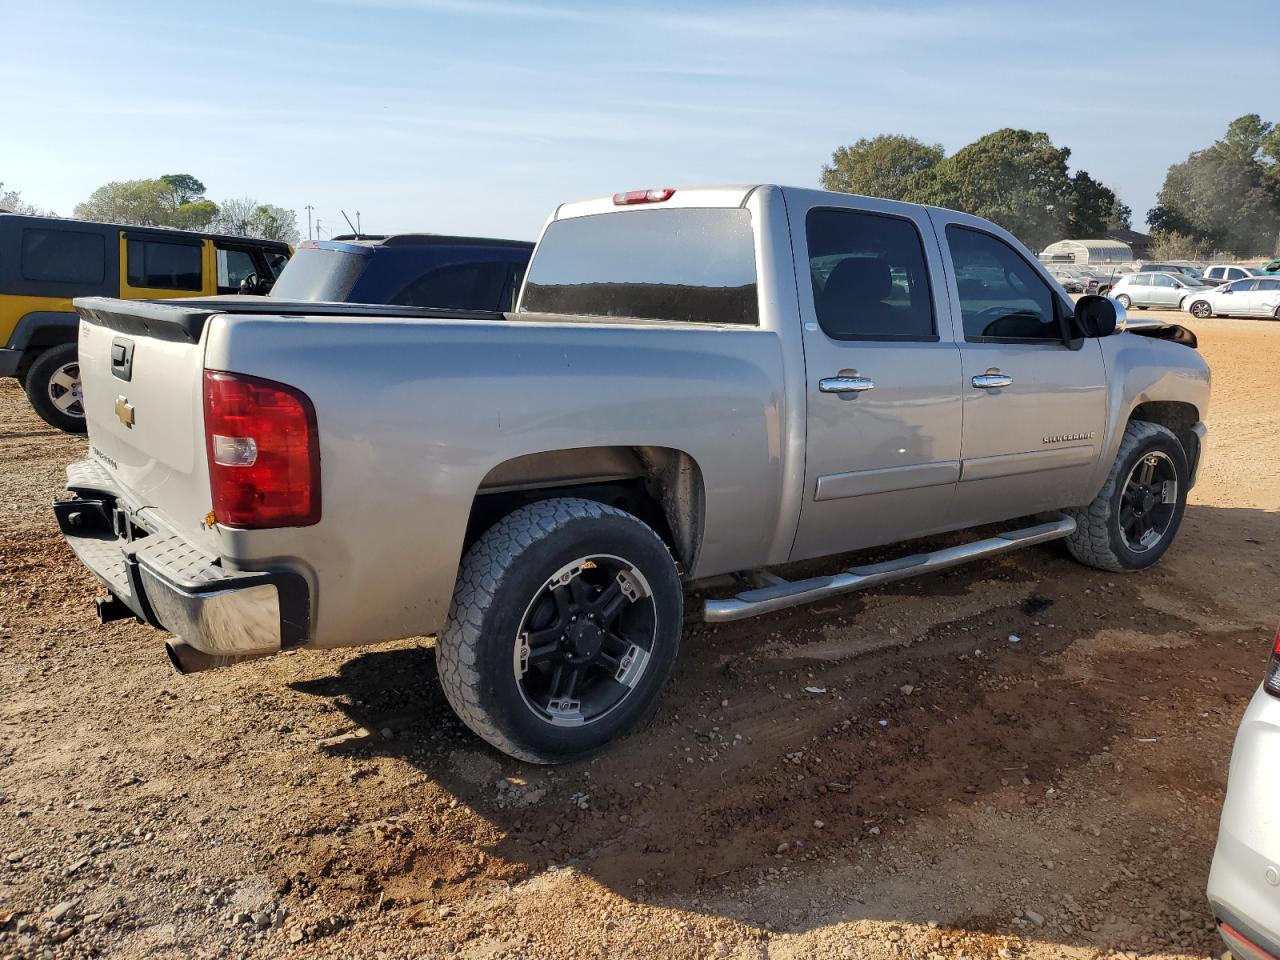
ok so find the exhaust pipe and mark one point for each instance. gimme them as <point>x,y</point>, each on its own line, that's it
<point>187,659</point>
<point>112,608</point>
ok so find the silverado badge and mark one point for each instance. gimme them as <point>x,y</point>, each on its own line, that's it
<point>124,411</point>
<point>1068,437</point>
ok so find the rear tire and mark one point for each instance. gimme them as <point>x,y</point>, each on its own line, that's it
<point>1134,518</point>
<point>53,387</point>
<point>564,627</point>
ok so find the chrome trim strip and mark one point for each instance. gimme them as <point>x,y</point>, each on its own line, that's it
<point>784,594</point>
<point>857,483</point>
<point>1033,461</point>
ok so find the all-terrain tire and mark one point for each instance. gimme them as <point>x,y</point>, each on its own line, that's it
<point>1097,541</point>
<point>48,375</point>
<point>499,577</point>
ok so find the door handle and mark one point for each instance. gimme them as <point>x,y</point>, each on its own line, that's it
<point>845,384</point>
<point>992,381</point>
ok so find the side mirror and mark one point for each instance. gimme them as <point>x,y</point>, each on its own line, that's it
<point>1098,316</point>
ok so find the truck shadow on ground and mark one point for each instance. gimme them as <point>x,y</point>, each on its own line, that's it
<point>769,761</point>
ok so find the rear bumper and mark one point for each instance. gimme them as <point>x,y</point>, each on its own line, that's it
<point>165,581</point>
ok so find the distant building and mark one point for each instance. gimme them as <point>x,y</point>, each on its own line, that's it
<point>1139,243</point>
<point>1087,252</point>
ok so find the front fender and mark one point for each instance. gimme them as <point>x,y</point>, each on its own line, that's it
<point>1147,370</point>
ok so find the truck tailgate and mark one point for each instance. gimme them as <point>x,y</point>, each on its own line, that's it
<point>143,390</point>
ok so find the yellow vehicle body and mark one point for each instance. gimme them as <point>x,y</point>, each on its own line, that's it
<point>45,262</point>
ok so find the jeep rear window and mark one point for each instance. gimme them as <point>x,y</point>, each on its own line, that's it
<point>688,265</point>
<point>314,273</point>
<point>63,256</point>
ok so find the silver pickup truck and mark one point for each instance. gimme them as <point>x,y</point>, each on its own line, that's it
<point>693,383</point>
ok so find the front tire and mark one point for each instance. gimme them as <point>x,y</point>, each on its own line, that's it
<point>1201,310</point>
<point>53,387</point>
<point>1134,518</point>
<point>1124,301</point>
<point>564,627</point>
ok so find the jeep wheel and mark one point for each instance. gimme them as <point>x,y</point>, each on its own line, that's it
<point>1124,301</point>
<point>1131,522</point>
<point>53,387</point>
<point>564,626</point>
<point>1201,310</point>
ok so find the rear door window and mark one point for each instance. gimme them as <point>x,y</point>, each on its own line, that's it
<point>870,279</point>
<point>687,265</point>
<point>163,264</point>
<point>63,256</point>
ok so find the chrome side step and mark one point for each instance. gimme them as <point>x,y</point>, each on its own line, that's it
<point>781,594</point>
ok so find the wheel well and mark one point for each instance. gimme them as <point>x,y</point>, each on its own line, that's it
<point>1176,416</point>
<point>44,338</point>
<point>661,486</point>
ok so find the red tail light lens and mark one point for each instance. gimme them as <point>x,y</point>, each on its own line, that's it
<point>1271,683</point>
<point>643,196</point>
<point>264,453</point>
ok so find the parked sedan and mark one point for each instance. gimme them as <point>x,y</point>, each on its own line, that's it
<point>1254,297</point>
<point>1245,874</point>
<point>1225,272</point>
<point>1167,291</point>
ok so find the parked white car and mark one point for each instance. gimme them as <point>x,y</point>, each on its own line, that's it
<point>1246,860</point>
<point>1254,297</point>
<point>1166,291</point>
<point>1226,272</point>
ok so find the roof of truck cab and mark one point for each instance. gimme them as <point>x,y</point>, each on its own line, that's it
<point>422,240</point>
<point>732,195</point>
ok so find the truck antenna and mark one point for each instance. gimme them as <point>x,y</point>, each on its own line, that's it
<point>350,224</point>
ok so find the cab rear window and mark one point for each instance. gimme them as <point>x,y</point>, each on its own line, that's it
<point>63,256</point>
<point>688,265</point>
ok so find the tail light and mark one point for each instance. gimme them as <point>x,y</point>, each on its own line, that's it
<point>264,453</point>
<point>643,196</point>
<point>1271,683</point>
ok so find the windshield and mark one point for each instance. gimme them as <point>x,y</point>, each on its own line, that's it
<point>315,273</point>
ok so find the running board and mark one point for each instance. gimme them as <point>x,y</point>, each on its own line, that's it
<point>782,594</point>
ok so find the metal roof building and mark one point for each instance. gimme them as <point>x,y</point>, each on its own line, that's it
<point>1087,252</point>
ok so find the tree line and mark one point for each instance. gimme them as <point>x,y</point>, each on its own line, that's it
<point>1224,199</point>
<point>173,200</point>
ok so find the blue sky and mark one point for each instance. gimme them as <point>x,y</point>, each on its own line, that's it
<point>479,117</point>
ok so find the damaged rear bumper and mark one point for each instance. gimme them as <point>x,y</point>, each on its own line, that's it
<point>219,616</point>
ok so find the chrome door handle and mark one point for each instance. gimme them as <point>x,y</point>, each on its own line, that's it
<point>845,384</point>
<point>992,381</point>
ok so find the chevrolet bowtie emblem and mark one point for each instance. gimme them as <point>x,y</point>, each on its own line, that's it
<point>124,411</point>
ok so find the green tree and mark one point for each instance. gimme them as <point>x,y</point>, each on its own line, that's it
<point>146,203</point>
<point>889,166</point>
<point>1092,208</point>
<point>186,188</point>
<point>1226,196</point>
<point>1016,178</point>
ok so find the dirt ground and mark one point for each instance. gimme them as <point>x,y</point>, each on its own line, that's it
<point>949,792</point>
